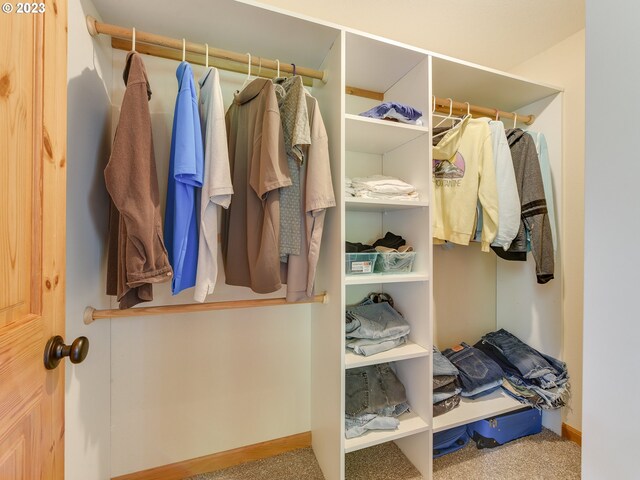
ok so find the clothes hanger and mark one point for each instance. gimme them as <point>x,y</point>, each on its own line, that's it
<point>278,63</point>
<point>206,61</point>
<point>248,79</point>
<point>515,119</point>
<point>468,109</point>
<point>444,117</point>
<point>133,39</point>
<point>184,49</point>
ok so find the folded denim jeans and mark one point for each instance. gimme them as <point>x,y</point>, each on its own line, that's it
<point>476,369</point>
<point>483,390</point>
<point>375,321</point>
<point>442,365</point>
<point>366,347</point>
<point>526,359</point>
<point>370,389</point>
<point>395,110</point>
<point>384,420</point>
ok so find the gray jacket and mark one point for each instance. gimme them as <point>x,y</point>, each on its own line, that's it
<point>534,217</point>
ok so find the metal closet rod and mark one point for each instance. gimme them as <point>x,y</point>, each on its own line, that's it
<point>443,105</point>
<point>91,314</point>
<point>116,32</point>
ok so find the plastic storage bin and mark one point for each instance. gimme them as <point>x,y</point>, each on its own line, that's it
<point>395,262</point>
<point>360,263</point>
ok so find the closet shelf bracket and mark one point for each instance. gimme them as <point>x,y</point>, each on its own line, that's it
<point>166,47</point>
<point>91,314</point>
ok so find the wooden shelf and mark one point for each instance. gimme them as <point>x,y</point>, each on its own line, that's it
<point>356,204</point>
<point>410,424</point>
<point>469,411</point>
<point>371,135</point>
<point>403,352</point>
<point>374,278</point>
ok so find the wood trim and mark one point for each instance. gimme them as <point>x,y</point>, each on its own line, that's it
<point>571,434</point>
<point>361,92</point>
<point>218,461</point>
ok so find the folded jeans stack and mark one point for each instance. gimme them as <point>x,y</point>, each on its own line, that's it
<point>446,385</point>
<point>374,326</point>
<point>532,377</point>
<point>395,111</point>
<point>381,187</point>
<point>374,398</point>
<point>479,374</point>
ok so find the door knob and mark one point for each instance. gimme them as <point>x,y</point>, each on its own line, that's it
<point>56,350</point>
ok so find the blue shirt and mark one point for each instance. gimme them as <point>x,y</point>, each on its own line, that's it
<point>185,178</point>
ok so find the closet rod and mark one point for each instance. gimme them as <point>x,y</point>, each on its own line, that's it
<point>95,27</point>
<point>460,108</point>
<point>91,314</point>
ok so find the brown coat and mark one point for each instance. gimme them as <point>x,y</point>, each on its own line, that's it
<point>137,256</point>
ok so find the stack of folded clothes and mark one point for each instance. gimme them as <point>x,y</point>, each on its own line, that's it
<point>374,398</point>
<point>390,242</point>
<point>396,112</point>
<point>446,386</point>
<point>479,374</point>
<point>382,187</point>
<point>374,326</point>
<point>532,377</point>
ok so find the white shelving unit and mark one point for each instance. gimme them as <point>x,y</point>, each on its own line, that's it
<point>382,278</point>
<point>357,204</point>
<point>371,135</point>
<point>403,352</point>
<point>468,411</point>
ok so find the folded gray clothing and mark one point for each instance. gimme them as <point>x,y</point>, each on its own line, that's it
<point>366,347</point>
<point>442,380</point>
<point>446,391</point>
<point>375,321</point>
<point>446,405</point>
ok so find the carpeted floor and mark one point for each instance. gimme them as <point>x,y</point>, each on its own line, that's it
<point>545,456</point>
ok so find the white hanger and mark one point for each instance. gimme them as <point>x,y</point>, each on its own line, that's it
<point>206,62</point>
<point>515,119</point>
<point>468,108</point>
<point>497,114</point>
<point>278,62</point>
<point>133,39</point>
<point>184,49</point>
<point>248,79</point>
<point>447,117</point>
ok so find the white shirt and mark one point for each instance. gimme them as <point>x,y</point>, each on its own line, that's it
<point>217,187</point>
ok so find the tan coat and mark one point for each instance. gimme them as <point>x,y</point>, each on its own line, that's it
<point>251,226</point>
<point>137,256</point>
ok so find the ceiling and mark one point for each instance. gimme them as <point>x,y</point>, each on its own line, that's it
<point>496,33</point>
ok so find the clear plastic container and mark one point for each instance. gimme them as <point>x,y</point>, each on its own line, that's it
<point>360,263</point>
<point>395,262</point>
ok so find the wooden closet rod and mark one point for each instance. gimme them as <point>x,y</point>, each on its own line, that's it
<point>91,314</point>
<point>460,108</point>
<point>162,43</point>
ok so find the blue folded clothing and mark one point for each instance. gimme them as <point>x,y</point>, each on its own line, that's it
<point>396,111</point>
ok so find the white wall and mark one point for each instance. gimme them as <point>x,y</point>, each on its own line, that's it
<point>563,64</point>
<point>87,409</point>
<point>189,385</point>
<point>612,260</point>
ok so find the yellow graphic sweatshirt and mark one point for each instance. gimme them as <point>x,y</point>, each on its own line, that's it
<point>463,172</point>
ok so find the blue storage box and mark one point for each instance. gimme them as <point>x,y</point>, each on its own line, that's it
<point>495,431</point>
<point>359,263</point>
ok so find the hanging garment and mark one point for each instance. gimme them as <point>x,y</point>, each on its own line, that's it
<point>508,200</point>
<point>251,225</point>
<point>185,176</point>
<point>463,173</point>
<point>137,257</point>
<point>317,196</point>
<point>216,187</point>
<point>295,129</point>
<point>534,217</point>
<point>547,182</point>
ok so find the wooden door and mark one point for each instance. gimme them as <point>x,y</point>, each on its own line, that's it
<point>33,101</point>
